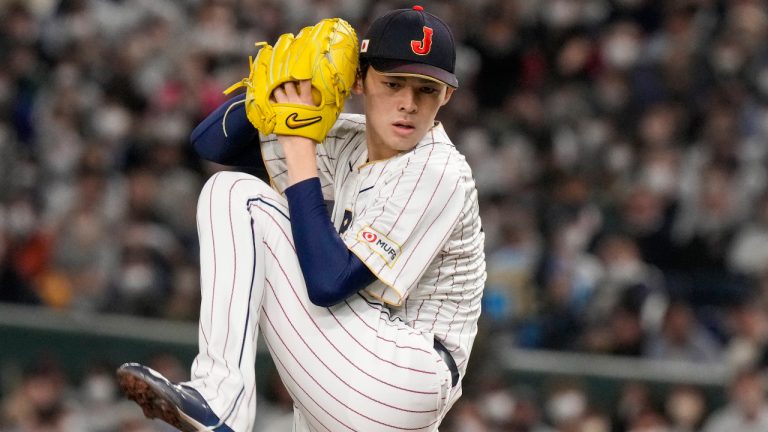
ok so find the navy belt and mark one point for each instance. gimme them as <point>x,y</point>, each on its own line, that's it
<point>448,359</point>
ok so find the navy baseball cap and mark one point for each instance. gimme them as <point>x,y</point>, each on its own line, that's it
<point>411,42</point>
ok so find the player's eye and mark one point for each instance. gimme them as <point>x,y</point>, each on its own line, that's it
<point>428,90</point>
<point>392,84</point>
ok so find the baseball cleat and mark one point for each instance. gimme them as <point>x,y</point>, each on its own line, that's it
<point>176,404</point>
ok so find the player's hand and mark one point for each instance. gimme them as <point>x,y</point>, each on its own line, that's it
<point>294,93</point>
<point>299,151</point>
<point>290,92</point>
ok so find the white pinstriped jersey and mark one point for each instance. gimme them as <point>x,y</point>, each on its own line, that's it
<point>412,219</point>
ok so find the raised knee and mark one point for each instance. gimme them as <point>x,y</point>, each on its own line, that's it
<point>237,185</point>
<point>227,180</point>
<point>231,177</point>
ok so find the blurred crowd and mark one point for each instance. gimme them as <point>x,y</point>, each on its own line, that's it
<point>564,405</point>
<point>620,148</point>
<point>46,400</point>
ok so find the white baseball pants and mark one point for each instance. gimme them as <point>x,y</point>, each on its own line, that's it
<point>350,367</point>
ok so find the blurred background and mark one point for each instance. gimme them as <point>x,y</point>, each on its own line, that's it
<point>620,150</point>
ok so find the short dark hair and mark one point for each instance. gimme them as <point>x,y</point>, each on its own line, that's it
<point>363,68</point>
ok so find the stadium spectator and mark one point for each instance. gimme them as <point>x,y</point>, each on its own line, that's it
<point>685,406</point>
<point>682,337</point>
<point>747,408</point>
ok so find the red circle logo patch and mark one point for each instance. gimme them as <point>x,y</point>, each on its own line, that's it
<point>370,237</point>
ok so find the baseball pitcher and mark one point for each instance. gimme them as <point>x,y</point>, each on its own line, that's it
<point>369,309</point>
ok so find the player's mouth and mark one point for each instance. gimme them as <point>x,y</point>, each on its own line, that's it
<point>403,127</point>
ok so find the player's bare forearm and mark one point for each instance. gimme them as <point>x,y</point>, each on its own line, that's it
<point>300,157</point>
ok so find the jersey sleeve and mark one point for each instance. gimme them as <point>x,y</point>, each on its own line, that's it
<point>401,231</point>
<point>277,167</point>
<point>327,154</point>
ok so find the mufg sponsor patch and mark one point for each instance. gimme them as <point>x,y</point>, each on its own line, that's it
<point>380,244</point>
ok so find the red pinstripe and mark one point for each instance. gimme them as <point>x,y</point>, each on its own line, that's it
<point>439,270</point>
<point>234,263</point>
<point>453,283</point>
<point>213,247</point>
<point>413,191</point>
<point>381,172</point>
<point>477,300</point>
<point>425,207</point>
<point>294,398</point>
<point>200,322</point>
<point>290,375</point>
<point>232,289</point>
<point>213,283</point>
<point>463,325</point>
<point>448,233</point>
<point>394,188</point>
<point>462,290</point>
<point>327,367</point>
<point>379,336</point>
<point>340,352</point>
<point>293,289</point>
<point>348,407</point>
<point>240,405</point>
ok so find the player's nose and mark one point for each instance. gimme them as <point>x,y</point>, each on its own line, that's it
<point>407,102</point>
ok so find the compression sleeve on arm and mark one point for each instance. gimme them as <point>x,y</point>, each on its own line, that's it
<point>239,147</point>
<point>331,271</point>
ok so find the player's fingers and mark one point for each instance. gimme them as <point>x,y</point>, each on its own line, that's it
<point>279,95</point>
<point>291,92</point>
<point>305,91</point>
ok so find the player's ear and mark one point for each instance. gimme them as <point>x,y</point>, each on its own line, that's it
<point>448,94</point>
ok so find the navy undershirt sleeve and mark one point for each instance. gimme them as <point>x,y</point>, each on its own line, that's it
<point>331,271</point>
<point>240,147</point>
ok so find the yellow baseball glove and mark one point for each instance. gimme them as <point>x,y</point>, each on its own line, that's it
<point>326,54</point>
